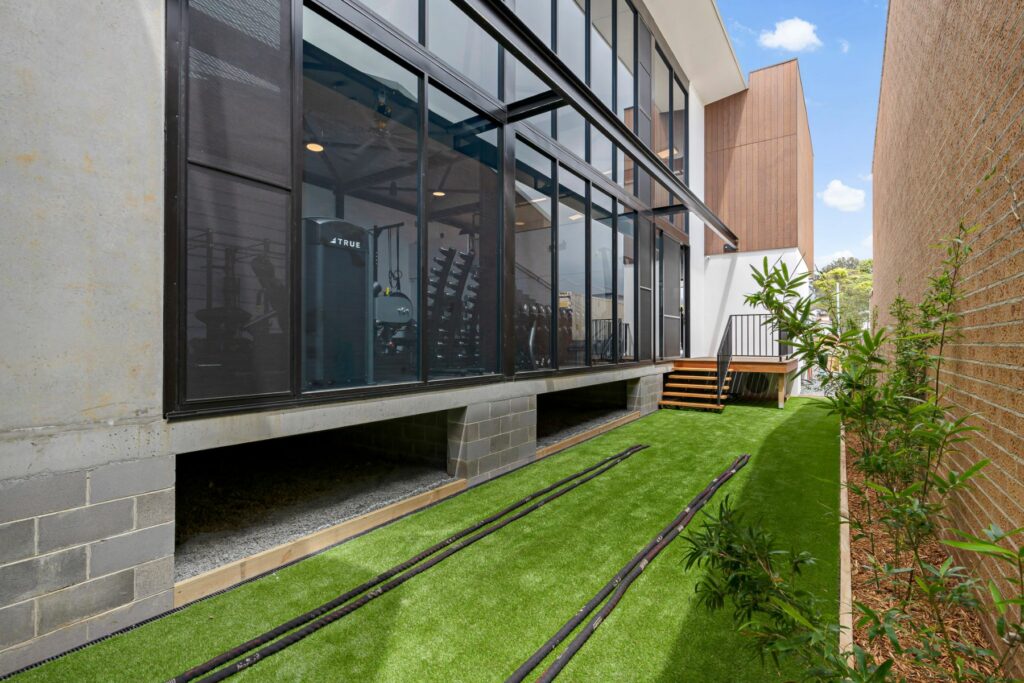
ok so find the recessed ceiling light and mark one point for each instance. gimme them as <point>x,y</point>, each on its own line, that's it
<point>438,193</point>
<point>520,223</point>
<point>314,147</point>
<point>576,216</point>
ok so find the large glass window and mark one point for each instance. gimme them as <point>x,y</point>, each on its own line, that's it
<point>678,164</point>
<point>458,40</point>
<point>625,280</point>
<point>661,87</point>
<point>360,251</point>
<point>572,270</point>
<point>533,318</point>
<point>571,28</point>
<point>625,97</point>
<point>602,282</point>
<point>536,14</point>
<point>572,130</point>
<point>601,153</point>
<point>405,14</point>
<point>602,59</point>
<point>625,171</point>
<point>463,210</point>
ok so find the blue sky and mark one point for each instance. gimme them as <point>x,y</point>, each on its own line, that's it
<point>839,44</point>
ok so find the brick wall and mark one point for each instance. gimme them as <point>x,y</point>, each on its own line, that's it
<point>951,111</point>
<point>83,554</point>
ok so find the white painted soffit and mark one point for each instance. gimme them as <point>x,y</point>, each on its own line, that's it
<point>697,37</point>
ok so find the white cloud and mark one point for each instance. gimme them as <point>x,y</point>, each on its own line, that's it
<point>867,177</point>
<point>844,45</point>
<point>842,197</point>
<point>795,35</point>
<point>824,261</point>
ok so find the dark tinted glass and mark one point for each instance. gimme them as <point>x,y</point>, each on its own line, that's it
<point>359,206</point>
<point>405,14</point>
<point>463,210</point>
<point>455,38</point>
<point>670,303</point>
<point>238,87</point>
<point>602,59</point>
<point>572,28</point>
<point>533,314</point>
<point>678,129</point>
<point>661,84</point>
<point>625,291</point>
<point>572,270</point>
<point>602,291</point>
<point>624,171</point>
<point>625,63</point>
<point>237,286</point>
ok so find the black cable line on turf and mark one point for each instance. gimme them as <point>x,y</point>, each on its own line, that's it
<point>620,583</point>
<point>375,583</point>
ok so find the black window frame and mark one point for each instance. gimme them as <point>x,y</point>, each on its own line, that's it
<point>372,29</point>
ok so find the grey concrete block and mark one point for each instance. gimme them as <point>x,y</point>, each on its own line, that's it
<point>487,463</point>
<point>105,624</point>
<point>85,525</point>
<point>128,550</point>
<point>85,600</point>
<point>507,424</point>
<point>533,402</point>
<point>471,432</point>
<point>489,428</point>
<point>475,450</point>
<point>154,577</point>
<point>519,436</point>
<point>520,405</point>
<point>500,408</point>
<point>477,411</point>
<point>154,508</point>
<point>122,479</point>
<point>499,443</point>
<point>17,624</point>
<point>40,575</point>
<point>17,540</point>
<point>23,498</point>
<point>47,646</point>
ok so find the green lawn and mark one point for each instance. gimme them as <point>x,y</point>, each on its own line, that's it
<point>479,614</point>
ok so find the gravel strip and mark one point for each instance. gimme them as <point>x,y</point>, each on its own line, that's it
<point>552,428</point>
<point>222,529</point>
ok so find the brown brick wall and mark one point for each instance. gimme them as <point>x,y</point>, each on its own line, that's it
<point>951,109</point>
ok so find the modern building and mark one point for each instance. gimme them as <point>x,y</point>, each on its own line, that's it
<point>398,226</point>
<point>949,147</point>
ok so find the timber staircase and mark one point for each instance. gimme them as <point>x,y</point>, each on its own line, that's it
<point>694,384</point>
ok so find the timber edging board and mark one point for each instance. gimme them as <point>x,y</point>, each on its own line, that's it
<point>218,579</point>
<point>589,434</point>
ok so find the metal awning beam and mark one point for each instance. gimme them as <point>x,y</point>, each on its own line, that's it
<point>540,103</point>
<point>504,26</point>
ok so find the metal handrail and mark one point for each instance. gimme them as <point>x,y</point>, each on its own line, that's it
<point>724,356</point>
<point>749,334</point>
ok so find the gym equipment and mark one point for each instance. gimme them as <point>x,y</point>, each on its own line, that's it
<point>333,610</point>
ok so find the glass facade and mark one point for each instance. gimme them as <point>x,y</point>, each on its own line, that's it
<point>350,224</point>
<point>533,298</point>
<point>572,270</point>
<point>463,213</point>
<point>602,279</point>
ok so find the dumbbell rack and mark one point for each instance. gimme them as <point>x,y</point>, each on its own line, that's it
<point>453,313</point>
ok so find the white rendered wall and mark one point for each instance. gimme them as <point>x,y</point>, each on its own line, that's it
<point>728,280</point>
<point>699,293</point>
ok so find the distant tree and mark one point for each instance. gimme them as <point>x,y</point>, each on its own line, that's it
<point>854,277</point>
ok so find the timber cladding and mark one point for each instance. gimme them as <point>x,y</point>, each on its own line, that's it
<point>759,164</point>
<point>949,146</point>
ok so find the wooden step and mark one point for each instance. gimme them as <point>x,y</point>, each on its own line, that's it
<point>676,375</point>
<point>693,378</point>
<point>686,394</point>
<point>687,404</point>
<point>679,385</point>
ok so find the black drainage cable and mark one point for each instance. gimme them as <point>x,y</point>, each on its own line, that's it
<point>620,583</point>
<point>375,583</point>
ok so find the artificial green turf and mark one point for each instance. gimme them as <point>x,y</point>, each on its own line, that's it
<point>479,614</point>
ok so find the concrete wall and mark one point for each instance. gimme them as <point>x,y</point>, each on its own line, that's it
<point>699,292</point>
<point>951,112</point>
